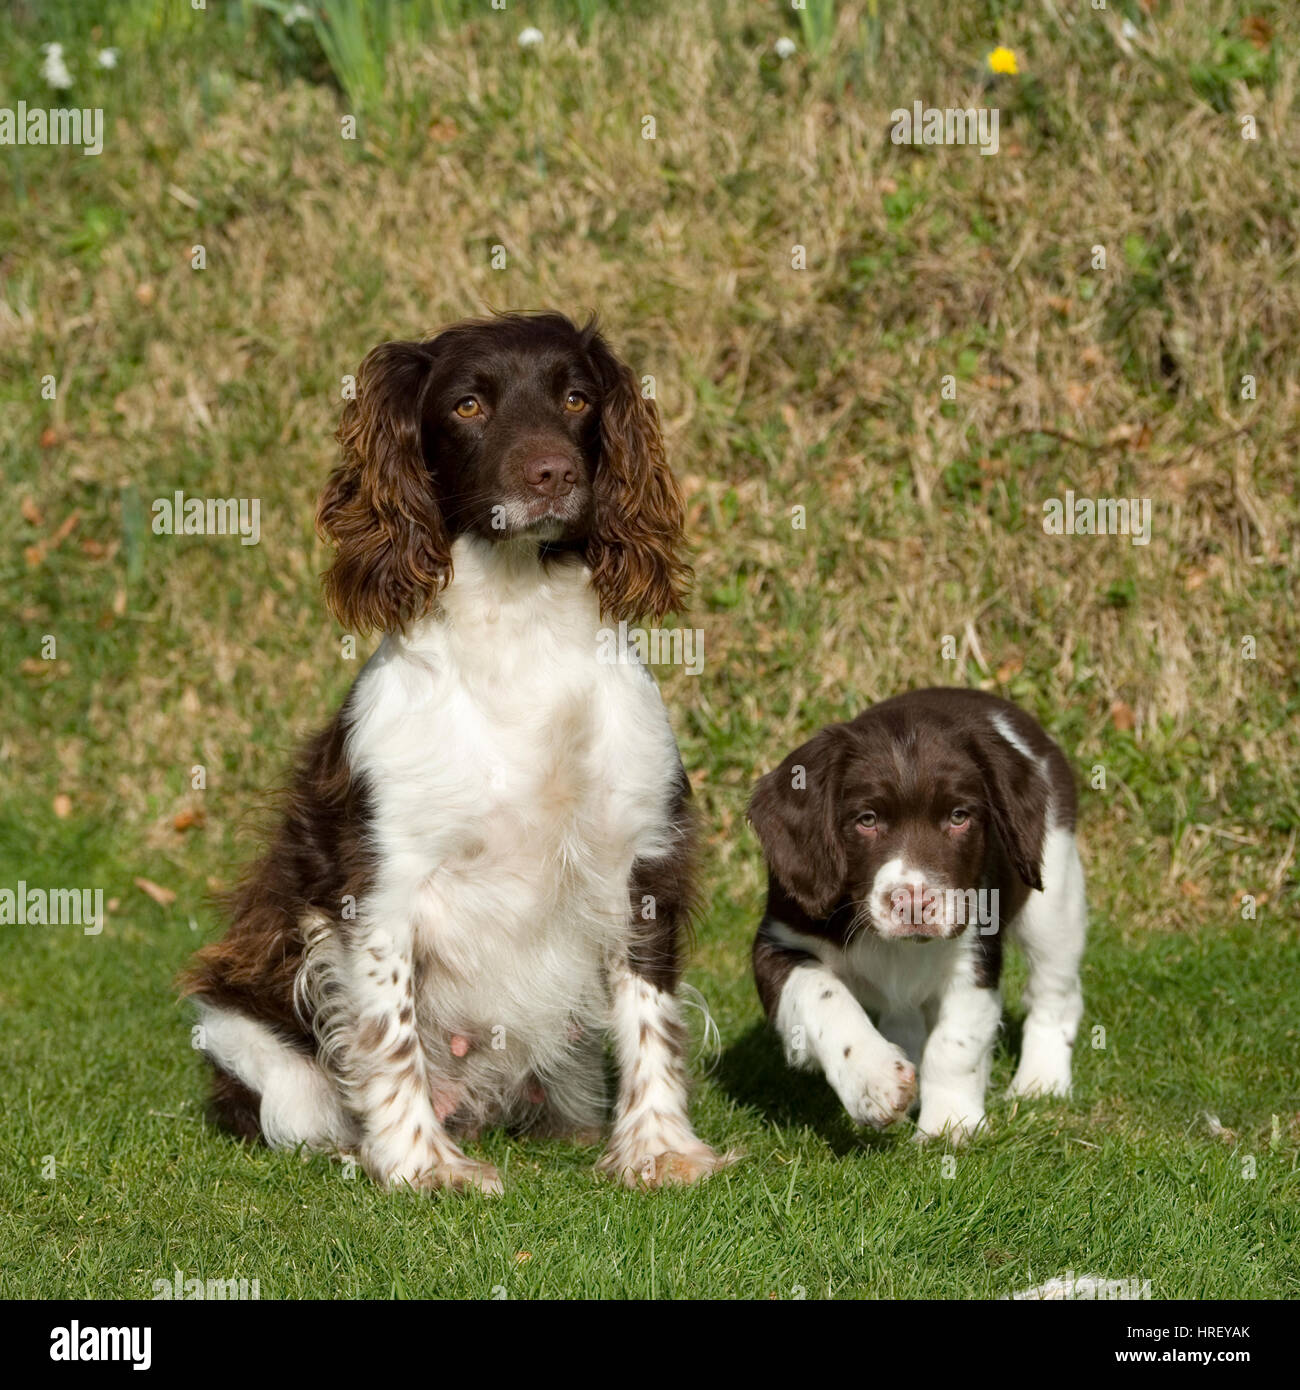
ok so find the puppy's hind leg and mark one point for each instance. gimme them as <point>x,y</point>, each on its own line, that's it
<point>1051,928</point>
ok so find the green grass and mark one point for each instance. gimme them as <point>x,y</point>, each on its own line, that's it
<point>1125,1181</point>
<point>817,389</point>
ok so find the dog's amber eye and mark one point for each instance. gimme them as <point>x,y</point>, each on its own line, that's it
<point>575,402</point>
<point>468,408</point>
<point>867,820</point>
<point>959,817</point>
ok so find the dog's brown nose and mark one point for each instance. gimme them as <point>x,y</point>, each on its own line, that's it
<point>551,474</point>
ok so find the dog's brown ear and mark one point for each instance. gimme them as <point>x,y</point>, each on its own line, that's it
<point>1016,791</point>
<point>795,811</point>
<point>379,507</point>
<point>635,552</point>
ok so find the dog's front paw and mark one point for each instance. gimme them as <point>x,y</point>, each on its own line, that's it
<point>647,1165</point>
<point>426,1169</point>
<point>877,1087</point>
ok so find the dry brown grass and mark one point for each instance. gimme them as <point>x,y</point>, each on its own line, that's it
<point>779,387</point>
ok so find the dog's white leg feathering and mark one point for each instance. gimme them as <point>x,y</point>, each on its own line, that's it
<point>1051,928</point>
<point>386,1075</point>
<point>652,1141</point>
<point>823,1026</point>
<point>300,1103</point>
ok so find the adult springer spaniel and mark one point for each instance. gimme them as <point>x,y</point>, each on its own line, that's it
<point>483,866</point>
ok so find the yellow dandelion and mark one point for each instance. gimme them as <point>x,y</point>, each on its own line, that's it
<point>1003,60</point>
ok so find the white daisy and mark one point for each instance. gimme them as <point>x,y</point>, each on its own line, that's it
<point>54,70</point>
<point>107,57</point>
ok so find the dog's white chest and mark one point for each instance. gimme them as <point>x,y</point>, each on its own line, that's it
<point>515,779</point>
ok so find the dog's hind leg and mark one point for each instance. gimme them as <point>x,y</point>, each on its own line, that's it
<point>1051,928</point>
<point>262,1076</point>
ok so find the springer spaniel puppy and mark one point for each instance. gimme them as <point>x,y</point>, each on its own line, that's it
<point>483,868</point>
<point>899,846</point>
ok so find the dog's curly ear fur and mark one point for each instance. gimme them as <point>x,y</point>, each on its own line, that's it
<point>635,552</point>
<point>795,812</point>
<point>378,506</point>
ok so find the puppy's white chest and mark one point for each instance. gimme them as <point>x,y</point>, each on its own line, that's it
<point>889,976</point>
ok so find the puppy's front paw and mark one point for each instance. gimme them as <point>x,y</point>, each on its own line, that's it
<point>1033,1081</point>
<point>955,1129</point>
<point>877,1087</point>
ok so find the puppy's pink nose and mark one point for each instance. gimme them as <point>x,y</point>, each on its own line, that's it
<point>906,903</point>
<point>551,474</point>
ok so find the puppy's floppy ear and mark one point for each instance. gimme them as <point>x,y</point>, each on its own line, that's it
<point>795,811</point>
<point>1017,792</point>
<point>379,506</point>
<point>635,549</point>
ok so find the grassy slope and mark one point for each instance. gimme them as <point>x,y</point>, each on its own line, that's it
<point>817,388</point>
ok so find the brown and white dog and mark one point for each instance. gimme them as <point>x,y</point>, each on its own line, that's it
<point>900,847</point>
<point>483,867</point>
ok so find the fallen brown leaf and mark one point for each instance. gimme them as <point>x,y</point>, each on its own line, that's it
<point>164,897</point>
<point>1257,29</point>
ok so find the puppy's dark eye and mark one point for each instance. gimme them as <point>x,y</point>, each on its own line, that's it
<point>959,817</point>
<point>468,408</point>
<point>575,402</point>
<point>866,821</point>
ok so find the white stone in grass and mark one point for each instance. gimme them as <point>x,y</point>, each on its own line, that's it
<point>1071,1287</point>
<point>786,47</point>
<point>530,37</point>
